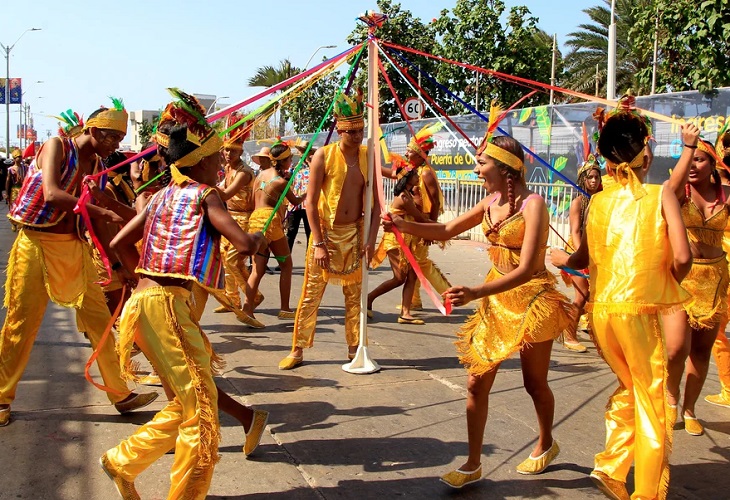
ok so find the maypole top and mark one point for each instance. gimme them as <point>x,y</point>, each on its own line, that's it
<point>373,19</point>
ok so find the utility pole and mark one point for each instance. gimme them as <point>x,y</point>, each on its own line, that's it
<point>611,77</point>
<point>656,53</point>
<point>598,81</point>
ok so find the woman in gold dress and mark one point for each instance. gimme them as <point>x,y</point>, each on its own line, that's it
<point>520,309</point>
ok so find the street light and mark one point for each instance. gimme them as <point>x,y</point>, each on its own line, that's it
<point>7,49</point>
<point>212,106</point>
<point>24,115</point>
<point>315,53</point>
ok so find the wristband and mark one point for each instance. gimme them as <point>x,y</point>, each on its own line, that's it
<point>690,147</point>
<point>116,266</point>
<point>320,244</point>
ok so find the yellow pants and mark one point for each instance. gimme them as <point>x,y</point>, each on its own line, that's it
<point>721,353</point>
<point>235,263</point>
<point>432,273</point>
<point>343,248</point>
<point>636,427</point>
<point>159,320</point>
<point>59,267</point>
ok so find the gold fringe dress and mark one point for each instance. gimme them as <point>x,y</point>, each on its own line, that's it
<point>507,322</point>
<point>707,280</point>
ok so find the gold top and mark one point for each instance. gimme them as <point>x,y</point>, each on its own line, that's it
<point>630,257</point>
<point>700,230</point>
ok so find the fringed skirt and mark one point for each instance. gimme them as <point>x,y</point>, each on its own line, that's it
<point>707,282</point>
<point>507,322</point>
<point>258,219</point>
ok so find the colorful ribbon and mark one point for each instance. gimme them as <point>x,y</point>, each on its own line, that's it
<point>104,337</point>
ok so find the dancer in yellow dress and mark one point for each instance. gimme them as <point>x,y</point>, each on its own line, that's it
<point>637,252</point>
<point>520,310</point>
<point>721,349</point>
<point>589,179</point>
<point>180,231</point>
<point>403,205</point>
<point>706,214</point>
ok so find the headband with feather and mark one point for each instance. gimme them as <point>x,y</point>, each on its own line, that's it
<point>70,124</point>
<point>492,150</point>
<point>423,141</point>
<point>237,133</point>
<point>110,119</point>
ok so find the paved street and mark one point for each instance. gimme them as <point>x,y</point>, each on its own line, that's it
<point>331,434</point>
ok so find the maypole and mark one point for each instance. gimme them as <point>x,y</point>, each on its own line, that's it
<point>362,363</point>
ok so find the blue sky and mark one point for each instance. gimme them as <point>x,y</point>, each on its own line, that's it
<point>134,49</point>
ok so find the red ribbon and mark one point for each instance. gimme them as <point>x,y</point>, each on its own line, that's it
<point>103,339</point>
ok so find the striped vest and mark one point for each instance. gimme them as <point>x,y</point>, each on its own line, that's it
<point>30,207</point>
<point>178,240</point>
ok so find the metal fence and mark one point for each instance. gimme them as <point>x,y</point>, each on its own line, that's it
<point>461,195</point>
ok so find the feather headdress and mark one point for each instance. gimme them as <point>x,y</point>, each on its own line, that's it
<point>70,124</point>
<point>423,141</point>
<point>492,150</point>
<point>237,132</point>
<point>349,112</point>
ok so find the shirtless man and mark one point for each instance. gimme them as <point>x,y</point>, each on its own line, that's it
<point>48,260</point>
<point>335,201</point>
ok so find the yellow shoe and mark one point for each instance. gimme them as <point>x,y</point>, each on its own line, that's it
<point>136,402</point>
<point>575,346</point>
<point>671,417</point>
<point>287,314</point>
<point>125,488</point>
<point>718,400</point>
<point>536,465</point>
<point>693,426</point>
<point>612,488</point>
<point>222,309</point>
<point>248,320</point>
<point>254,434</point>
<point>290,362</point>
<point>4,416</point>
<point>458,479</point>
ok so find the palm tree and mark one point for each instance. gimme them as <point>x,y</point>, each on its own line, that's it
<point>587,60</point>
<point>268,76</point>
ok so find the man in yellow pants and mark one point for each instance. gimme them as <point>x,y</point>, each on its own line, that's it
<point>337,183</point>
<point>49,261</point>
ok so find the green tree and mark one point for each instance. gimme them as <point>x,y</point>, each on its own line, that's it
<point>268,76</point>
<point>308,108</point>
<point>589,50</point>
<point>403,29</point>
<point>473,33</point>
<point>146,129</point>
<point>693,43</point>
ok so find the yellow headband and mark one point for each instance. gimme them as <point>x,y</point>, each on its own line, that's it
<point>162,139</point>
<point>625,175</point>
<point>283,156</point>
<point>504,156</point>
<point>354,123</point>
<point>209,147</point>
<point>111,119</point>
<point>702,146</point>
<point>232,144</point>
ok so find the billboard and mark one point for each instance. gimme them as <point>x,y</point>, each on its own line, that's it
<point>555,134</point>
<point>16,90</point>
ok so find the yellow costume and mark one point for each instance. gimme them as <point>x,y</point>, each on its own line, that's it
<point>388,242</point>
<point>344,245</point>
<point>430,270</point>
<point>177,244</point>
<point>59,267</point>
<point>507,322</point>
<point>707,281</point>
<point>274,232</point>
<point>631,284</point>
<point>240,207</point>
<point>721,348</point>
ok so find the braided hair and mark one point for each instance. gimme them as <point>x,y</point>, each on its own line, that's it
<point>511,177</point>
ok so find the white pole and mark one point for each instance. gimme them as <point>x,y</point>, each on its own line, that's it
<point>656,52</point>
<point>552,71</point>
<point>362,364</point>
<point>611,77</point>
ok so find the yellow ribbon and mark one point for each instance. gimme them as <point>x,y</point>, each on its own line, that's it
<point>624,174</point>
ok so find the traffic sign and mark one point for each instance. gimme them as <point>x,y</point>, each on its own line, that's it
<point>413,108</point>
